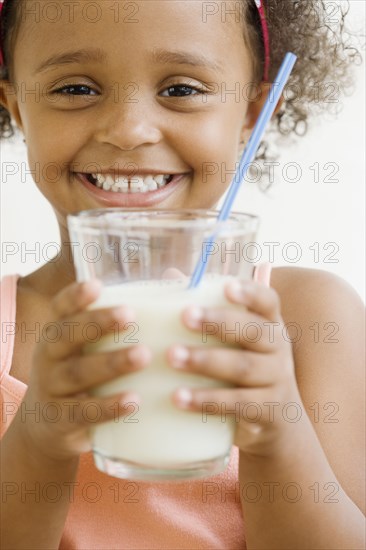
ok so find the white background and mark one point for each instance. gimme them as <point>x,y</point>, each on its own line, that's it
<point>305,211</point>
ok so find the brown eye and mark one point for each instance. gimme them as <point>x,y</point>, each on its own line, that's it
<point>75,89</point>
<point>180,91</point>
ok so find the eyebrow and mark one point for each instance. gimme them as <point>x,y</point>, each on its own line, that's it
<point>92,55</point>
<point>184,58</point>
<point>96,55</point>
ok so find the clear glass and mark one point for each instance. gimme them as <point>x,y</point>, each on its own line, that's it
<point>145,259</point>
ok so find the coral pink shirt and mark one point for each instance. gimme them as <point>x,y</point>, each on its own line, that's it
<point>110,513</point>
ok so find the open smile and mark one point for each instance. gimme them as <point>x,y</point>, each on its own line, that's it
<point>118,183</point>
<point>142,189</point>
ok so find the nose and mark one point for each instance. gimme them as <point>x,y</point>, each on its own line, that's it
<point>128,124</point>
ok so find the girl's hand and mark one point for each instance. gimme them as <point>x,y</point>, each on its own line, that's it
<point>258,363</point>
<point>62,375</point>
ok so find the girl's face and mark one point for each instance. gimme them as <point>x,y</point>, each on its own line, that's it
<point>132,89</point>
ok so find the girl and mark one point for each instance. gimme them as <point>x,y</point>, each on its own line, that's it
<point>98,87</point>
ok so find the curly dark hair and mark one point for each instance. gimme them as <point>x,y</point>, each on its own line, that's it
<point>308,28</point>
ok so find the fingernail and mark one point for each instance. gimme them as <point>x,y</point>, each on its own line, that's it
<point>123,313</point>
<point>194,316</point>
<point>94,285</point>
<point>97,283</point>
<point>241,289</point>
<point>179,357</point>
<point>130,398</point>
<point>247,286</point>
<point>139,355</point>
<point>184,397</point>
<point>236,289</point>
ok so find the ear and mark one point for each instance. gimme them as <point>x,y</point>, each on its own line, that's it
<point>9,100</point>
<point>256,100</point>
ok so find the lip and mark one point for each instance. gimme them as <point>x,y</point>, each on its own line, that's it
<point>109,198</point>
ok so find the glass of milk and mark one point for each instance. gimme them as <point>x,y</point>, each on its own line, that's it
<point>145,259</point>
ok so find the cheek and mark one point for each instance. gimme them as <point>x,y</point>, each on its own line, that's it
<point>49,158</point>
<point>52,135</point>
<point>212,157</point>
<point>211,149</point>
<point>51,148</point>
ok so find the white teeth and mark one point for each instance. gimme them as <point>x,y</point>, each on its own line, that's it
<point>122,183</point>
<point>109,180</point>
<point>159,179</point>
<point>152,185</point>
<point>134,184</point>
<point>99,177</point>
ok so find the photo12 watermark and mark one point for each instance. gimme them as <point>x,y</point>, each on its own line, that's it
<point>71,411</point>
<point>270,332</point>
<point>229,12</point>
<point>91,492</point>
<point>65,331</point>
<point>68,11</point>
<point>253,252</point>
<point>270,492</point>
<point>271,411</point>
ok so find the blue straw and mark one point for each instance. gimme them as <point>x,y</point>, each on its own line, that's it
<point>249,154</point>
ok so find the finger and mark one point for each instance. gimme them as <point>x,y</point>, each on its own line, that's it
<point>79,374</point>
<point>210,401</point>
<point>255,406</point>
<point>75,298</point>
<point>70,335</point>
<point>86,413</point>
<point>229,403</point>
<point>256,297</point>
<point>236,367</point>
<point>234,327</point>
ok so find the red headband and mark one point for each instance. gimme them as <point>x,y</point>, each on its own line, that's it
<point>2,3</point>
<point>265,33</point>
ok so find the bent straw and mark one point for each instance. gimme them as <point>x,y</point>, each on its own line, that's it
<point>249,153</point>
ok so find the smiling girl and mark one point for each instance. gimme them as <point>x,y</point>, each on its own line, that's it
<point>122,104</point>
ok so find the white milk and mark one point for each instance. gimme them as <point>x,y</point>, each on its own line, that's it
<point>156,432</point>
